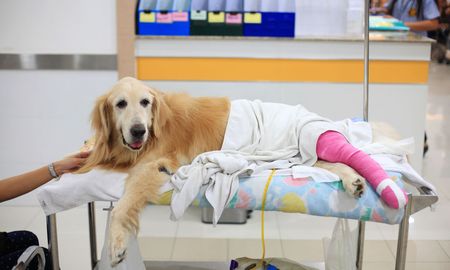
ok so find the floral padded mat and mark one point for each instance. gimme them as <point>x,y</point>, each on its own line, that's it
<point>302,195</point>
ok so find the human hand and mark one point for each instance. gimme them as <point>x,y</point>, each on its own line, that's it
<point>70,163</point>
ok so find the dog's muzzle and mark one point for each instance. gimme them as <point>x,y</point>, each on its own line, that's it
<point>137,133</point>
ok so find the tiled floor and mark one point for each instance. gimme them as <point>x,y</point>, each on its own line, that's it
<point>293,236</point>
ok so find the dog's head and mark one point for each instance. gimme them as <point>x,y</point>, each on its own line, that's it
<point>125,120</point>
<point>127,111</point>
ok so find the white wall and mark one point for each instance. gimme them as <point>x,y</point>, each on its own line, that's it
<point>44,115</point>
<point>58,26</point>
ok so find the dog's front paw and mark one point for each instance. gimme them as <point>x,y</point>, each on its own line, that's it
<point>354,185</point>
<point>117,255</point>
<point>119,237</point>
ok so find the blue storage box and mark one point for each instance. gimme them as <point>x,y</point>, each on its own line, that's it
<point>269,24</point>
<point>162,18</point>
<point>269,18</point>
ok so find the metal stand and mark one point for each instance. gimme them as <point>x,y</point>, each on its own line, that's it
<point>92,234</point>
<point>52,238</point>
<point>360,247</point>
<point>366,61</point>
<point>362,224</point>
<point>402,242</point>
<point>415,204</point>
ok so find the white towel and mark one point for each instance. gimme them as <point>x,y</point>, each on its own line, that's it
<point>219,171</point>
<point>73,190</point>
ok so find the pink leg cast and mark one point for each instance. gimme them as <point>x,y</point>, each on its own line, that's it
<point>334,147</point>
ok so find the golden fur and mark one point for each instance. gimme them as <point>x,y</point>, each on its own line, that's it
<point>178,127</point>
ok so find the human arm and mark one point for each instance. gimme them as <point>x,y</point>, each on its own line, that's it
<point>428,18</point>
<point>18,185</point>
<point>426,25</point>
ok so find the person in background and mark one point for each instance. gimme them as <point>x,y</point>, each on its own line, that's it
<point>13,244</point>
<point>439,48</point>
<point>447,14</point>
<point>444,8</point>
<point>377,7</point>
<point>419,15</point>
<point>444,41</point>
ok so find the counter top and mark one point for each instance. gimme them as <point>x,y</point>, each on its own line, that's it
<point>375,36</point>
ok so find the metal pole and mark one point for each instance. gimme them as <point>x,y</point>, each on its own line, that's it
<point>360,250</point>
<point>362,224</point>
<point>366,61</point>
<point>92,234</point>
<point>52,239</point>
<point>402,242</point>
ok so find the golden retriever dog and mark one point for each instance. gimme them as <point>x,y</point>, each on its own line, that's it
<point>150,134</point>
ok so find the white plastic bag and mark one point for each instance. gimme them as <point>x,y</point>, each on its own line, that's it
<point>133,260</point>
<point>340,251</point>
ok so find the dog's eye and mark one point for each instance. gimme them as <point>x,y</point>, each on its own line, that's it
<point>121,104</point>
<point>145,102</point>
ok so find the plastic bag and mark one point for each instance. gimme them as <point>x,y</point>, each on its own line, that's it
<point>340,251</point>
<point>133,260</point>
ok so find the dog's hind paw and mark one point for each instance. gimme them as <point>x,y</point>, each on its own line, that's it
<point>355,185</point>
<point>360,187</point>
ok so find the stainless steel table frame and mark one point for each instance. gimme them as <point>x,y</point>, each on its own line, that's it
<point>416,203</point>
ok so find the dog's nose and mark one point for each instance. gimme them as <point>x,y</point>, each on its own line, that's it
<point>137,131</point>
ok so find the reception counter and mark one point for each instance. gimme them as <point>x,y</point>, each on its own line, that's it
<point>395,58</point>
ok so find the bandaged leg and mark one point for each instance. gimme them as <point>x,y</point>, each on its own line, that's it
<point>334,147</point>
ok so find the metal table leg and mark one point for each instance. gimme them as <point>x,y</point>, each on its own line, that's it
<point>415,204</point>
<point>52,238</point>
<point>402,242</point>
<point>360,247</point>
<point>92,234</point>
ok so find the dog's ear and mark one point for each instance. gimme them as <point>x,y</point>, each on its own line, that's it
<point>102,126</point>
<point>101,120</point>
<point>160,111</point>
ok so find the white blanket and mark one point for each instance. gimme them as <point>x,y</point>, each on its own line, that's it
<point>273,131</point>
<point>261,136</point>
